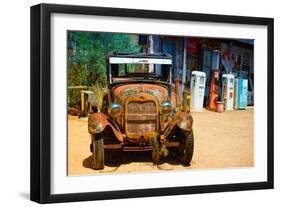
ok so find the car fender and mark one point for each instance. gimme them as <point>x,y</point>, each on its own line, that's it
<point>182,120</point>
<point>97,122</point>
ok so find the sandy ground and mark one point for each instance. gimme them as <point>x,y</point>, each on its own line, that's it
<point>221,141</point>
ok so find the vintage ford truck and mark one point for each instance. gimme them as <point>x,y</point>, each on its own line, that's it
<point>140,105</point>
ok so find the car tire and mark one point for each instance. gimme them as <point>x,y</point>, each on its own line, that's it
<point>186,147</point>
<point>97,152</point>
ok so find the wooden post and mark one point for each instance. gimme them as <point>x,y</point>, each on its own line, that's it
<point>82,96</point>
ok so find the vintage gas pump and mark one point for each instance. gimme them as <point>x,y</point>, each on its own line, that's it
<point>241,93</point>
<point>214,87</point>
<point>197,87</point>
<point>214,90</point>
<point>228,91</point>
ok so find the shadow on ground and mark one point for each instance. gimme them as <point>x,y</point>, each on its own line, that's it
<point>116,159</point>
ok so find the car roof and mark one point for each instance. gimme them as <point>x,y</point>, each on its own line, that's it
<point>140,55</point>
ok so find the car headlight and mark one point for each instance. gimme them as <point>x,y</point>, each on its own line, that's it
<point>166,107</point>
<point>185,121</point>
<point>115,110</point>
<point>96,126</point>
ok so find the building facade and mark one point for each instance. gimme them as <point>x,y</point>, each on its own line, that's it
<point>196,54</point>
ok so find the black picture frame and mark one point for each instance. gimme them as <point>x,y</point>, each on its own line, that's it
<point>41,96</point>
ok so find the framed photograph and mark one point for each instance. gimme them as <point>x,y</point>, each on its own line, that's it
<point>132,103</point>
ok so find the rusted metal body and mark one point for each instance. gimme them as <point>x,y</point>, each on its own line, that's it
<point>142,115</point>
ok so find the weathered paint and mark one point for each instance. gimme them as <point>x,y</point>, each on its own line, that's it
<point>97,123</point>
<point>183,120</point>
<point>141,97</point>
<point>122,92</point>
<point>140,93</point>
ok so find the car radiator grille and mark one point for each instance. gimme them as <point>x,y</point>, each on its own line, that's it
<point>141,117</point>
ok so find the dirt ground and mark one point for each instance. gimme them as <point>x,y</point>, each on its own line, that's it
<point>222,140</point>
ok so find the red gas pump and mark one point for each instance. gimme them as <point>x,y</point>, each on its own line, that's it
<point>214,90</point>
<point>214,87</point>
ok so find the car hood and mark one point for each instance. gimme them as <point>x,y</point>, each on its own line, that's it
<point>122,92</point>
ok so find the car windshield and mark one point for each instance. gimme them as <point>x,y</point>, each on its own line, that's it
<point>121,72</point>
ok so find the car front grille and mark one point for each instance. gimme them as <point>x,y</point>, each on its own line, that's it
<point>141,117</point>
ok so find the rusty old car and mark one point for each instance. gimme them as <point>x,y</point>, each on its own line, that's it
<point>140,106</point>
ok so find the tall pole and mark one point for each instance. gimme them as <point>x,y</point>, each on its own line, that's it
<point>151,50</point>
<point>151,67</point>
<point>184,65</point>
<point>177,81</point>
<point>230,56</point>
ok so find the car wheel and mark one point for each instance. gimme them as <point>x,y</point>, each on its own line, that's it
<point>186,147</point>
<point>97,151</point>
